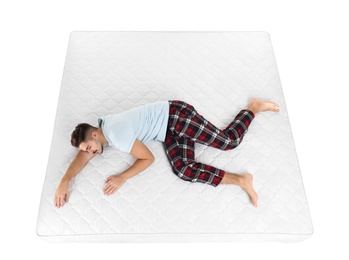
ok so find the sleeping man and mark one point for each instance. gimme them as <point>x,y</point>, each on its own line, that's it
<point>176,124</point>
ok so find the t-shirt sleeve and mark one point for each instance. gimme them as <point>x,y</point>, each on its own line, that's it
<point>123,139</point>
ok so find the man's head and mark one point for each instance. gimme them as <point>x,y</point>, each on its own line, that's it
<point>86,138</point>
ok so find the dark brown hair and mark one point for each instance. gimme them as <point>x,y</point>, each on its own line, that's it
<point>81,133</point>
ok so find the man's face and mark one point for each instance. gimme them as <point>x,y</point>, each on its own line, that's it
<point>93,146</point>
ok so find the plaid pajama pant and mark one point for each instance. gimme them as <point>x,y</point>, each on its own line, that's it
<point>185,127</point>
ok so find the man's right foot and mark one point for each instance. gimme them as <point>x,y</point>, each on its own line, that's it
<point>257,105</point>
<point>247,185</point>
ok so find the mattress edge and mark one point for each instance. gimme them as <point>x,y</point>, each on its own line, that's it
<point>176,238</point>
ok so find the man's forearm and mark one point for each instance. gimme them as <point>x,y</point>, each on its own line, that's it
<point>138,166</point>
<point>70,173</point>
<point>76,166</point>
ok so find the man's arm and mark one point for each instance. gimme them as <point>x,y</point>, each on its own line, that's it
<point>144,159</point>
<point>62,192</point>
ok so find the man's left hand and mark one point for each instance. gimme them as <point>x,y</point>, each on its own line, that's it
<point>113,184</point>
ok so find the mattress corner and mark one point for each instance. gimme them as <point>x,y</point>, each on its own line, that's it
<point>267,34</point>
<point>37,231</point>
<point>74,34</point>
<point>311,231</point>
<point>39,228</point>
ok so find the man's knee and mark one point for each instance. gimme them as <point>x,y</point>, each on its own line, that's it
<point>185,172</point>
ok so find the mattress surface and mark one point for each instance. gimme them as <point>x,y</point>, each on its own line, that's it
<point>216,72</point>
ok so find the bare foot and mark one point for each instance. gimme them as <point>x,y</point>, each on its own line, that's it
<point>245,181</point>
<point>257,105</point>
<point>247,185</point>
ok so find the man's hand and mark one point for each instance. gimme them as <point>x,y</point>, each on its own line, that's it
<point>62,192</point>
<point>62,195</point>
<point>113,184</point>
<point>144,159</point>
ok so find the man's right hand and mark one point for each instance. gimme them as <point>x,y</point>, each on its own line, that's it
<point>62,195</point>
<point>62,192</point>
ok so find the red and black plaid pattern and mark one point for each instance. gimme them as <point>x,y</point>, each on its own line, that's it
<point>185,127</point>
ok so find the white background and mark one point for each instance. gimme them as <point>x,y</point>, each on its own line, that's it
<point>311,42</point>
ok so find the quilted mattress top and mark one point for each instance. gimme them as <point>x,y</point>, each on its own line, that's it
<point>110,72</point>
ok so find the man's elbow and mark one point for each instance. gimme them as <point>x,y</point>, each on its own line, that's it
<point>151,160</point>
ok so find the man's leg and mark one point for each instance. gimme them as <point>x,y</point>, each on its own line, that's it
<point>229,138</point>
<point>186,121</point>
<point>180,152</point>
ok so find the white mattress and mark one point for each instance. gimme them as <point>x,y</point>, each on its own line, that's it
<point>217,72</point>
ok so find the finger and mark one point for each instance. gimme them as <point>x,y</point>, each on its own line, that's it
<point>106,188</point>
<point>108,179</point>
<point>57,202</point>
<point>110,188</point>
<point>109,191</point>
<point>67,197</point>
<point>113,190</point>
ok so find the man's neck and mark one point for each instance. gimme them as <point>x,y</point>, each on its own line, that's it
<point>101,136</point>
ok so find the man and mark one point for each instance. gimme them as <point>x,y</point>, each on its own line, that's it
<point>176,124</point>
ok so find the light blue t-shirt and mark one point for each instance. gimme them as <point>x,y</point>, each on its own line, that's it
<point>145,123</point>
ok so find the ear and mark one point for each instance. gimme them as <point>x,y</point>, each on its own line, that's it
<point>82,146</point>
<point>94,134</point>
